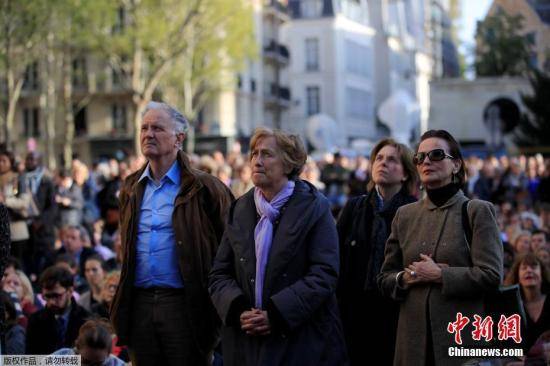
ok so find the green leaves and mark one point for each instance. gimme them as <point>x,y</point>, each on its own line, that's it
<point>501,49</point>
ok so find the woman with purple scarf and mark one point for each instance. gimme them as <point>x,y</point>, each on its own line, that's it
<point>274,278</point>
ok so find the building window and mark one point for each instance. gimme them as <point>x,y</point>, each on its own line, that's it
<point>239,81</point>
<point>80,121</point>
<point>358,59</point>
<point>312,54</point>
<point>358,103</point>
<point>31,122</point>
<point>31,81</point>
<point>311,8</point>
<point>252,85</point>
<point>313,100</point>
<point>80,77</point>
<point>119,118</point>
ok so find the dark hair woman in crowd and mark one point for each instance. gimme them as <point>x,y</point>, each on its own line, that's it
<point>274,278</point>
<point>429,265</point>
<point>370,319</point>
<point>534,280</point>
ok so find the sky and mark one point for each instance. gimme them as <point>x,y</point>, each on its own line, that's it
<point>471,11</point>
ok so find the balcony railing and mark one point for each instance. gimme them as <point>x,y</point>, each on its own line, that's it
<point>276,52</point>
<point>276,96</point>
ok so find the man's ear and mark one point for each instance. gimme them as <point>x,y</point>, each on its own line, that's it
<point>180,137</point>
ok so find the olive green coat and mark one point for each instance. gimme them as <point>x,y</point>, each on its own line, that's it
<point>422,227</point>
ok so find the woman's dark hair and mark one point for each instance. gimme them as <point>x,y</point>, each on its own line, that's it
<point>454,151</point>
<point>9,307</point>
<point>54,275</point>
<point>98,258</point>
<point>95,334</point>
<point>11,158</point>
<point>530,259</point>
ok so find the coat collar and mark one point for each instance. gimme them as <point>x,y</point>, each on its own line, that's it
<point>189,183</point>
<point>293,220</point>
<point>459,196</point>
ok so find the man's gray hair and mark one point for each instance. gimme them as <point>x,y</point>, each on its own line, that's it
<point>181,123</point>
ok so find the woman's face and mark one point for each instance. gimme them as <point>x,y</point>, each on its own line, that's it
<point>267,166</point>
<point>109,289</point>
<point>94,272</point>
<point>14,282</point>
<point>523,244</point>
<point>544,256</point>
<point>387,169</point>
<point>434,174</point>
<point>530,275</point>
<point>5,164</point>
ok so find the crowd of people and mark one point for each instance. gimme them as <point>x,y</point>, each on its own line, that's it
<point>317,262</point>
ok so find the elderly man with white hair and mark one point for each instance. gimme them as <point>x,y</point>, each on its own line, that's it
<point>172,220</point>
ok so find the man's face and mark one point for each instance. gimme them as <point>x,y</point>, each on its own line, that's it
<point>158,135</point>
<point>31,162</point>
<point>73,241</point>
<point>58,298</point>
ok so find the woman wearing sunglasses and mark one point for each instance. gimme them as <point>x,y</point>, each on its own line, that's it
<point>363,228</point>
<point>429,265</point>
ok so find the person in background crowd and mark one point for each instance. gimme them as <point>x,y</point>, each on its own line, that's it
<point>94,271</point>
<point>76,243</point>
<point>534,280</point>
<point>223,173</point>
<point>243,183</point>
<point>363,228</point>
<point>543,189</point>
<point>56,325</point>
<point>172,220</point>
<point>69,200</point>
<point>89,188</point>
<point>543,254</point>
<point>311,173</point>
<point>539,239</point>
<point>94,345</point>
<point>14,332</point>
<point>5,245</point>
<point>335,177</point>
<point>485,186</point>
<point>42,233</point>
<point>274,278</point>
<point>359,177</point>
<point>108,290</point>
<point>522,242</point>
<point>18,199</point>
<point>430,266</point>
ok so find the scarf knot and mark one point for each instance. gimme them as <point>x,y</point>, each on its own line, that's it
<point>263,233</point>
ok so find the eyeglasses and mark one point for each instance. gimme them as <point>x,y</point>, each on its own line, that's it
<point>53,295</point>
<point>434,155</point>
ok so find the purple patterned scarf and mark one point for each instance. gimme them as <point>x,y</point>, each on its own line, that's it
<point>263,233</point>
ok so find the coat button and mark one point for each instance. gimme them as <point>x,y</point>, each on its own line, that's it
<point>353,242</point>
<point>180,242</point>
<point>284,275</point>
<point>242,259</point>
<point>276,222</point>
<point>251,280</point>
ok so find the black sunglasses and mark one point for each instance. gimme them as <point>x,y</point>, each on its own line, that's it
<point>434,155</point>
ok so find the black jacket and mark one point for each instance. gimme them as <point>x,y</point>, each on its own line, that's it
<point>299,286</point>
<point>42,336</point>
<point>369,319</point>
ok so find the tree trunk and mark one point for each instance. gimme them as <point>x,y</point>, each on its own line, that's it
<point>50,103</point>
<point>68,108</point>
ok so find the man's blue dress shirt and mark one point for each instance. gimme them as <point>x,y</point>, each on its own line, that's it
<point>157,259</point>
